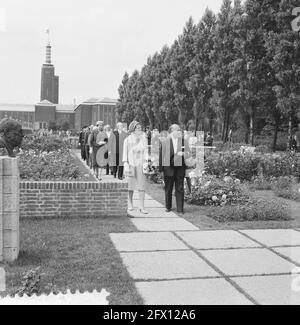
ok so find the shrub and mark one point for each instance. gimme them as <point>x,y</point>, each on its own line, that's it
<point>254,210</point>
<point>58,165</point>
<point>47,158</point>
<point>30,283</point>
<point>220,146</point>
<point>278,165</point>
<point>214,191</point>
<point>44,143</point>
<point>263,149</point>
<point>260,183</point>
<point>246,166</point>
<point>287,188</point>
<point>232,163</point>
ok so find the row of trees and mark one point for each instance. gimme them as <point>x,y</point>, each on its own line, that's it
<point>234,67</point>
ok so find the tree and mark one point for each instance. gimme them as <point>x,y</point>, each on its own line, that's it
<point>283,45</point>
<point>199,83</point>
<point>223,56</point>
<point>252,70</point>
<point>123,112</point>
<point>64,125</point>
<point>183,54</point>
<point>52,126</point>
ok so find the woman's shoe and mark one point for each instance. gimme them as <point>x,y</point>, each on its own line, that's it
<point>131,209</point>
<point>142,211</point>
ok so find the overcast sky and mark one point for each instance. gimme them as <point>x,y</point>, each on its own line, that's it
<point>93,42</point>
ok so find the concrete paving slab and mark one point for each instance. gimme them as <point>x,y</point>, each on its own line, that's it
<point>275,237</point>
<point>148,204</point>
<point>272,290</point>
<point>216,239</point>
<point>142,241</point>
<point>163,224</point>
<point>191,292</point>
<point>293,253</point>
<point>248,262</point>
<point>136,196</point>
<point>153,213</point>
<point>166,265</point>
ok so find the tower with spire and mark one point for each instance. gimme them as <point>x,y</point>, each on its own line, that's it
<point>49,81</point>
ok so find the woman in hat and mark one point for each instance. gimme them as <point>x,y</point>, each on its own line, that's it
<point>135,154</point>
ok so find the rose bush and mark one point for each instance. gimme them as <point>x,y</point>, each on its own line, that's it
<point>47,158</point>
<point>246,165</point>
<point>47,143</point>
<point>214,191</point>
<point>57,165</point>
<point>287,188</point>
<point>253,210</point>
<point>232,163</point>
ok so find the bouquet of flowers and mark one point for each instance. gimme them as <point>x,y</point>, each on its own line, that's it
<point>149,168</point>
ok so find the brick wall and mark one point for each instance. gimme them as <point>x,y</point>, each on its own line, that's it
<point>73,199</point>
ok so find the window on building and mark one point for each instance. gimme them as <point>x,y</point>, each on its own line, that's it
<point>43,125</point>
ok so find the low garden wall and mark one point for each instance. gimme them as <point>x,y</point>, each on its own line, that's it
<point>73,199</point>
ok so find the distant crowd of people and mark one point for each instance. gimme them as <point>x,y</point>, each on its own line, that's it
<point>102,148</point>
<point>60,133</point>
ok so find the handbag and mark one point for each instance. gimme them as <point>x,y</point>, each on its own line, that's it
<point>129,170</point>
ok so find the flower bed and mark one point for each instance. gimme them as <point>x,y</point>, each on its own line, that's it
<point>253,210</point>
<point>47,143</point>
<point>246,165</point>
<point>287,188</point>
<point>233,201</point>
<point>214,191</point>
<point>58,165</point>
<point>47,158</point>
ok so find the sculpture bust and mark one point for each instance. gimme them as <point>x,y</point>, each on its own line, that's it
<point>11,135</point>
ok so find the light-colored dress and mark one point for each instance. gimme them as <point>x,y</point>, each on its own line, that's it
<point>135,153</point>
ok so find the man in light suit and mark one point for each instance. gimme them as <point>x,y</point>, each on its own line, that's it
<point>172,156</point>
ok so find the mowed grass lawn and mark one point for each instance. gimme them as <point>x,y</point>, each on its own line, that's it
<point>75,254</point>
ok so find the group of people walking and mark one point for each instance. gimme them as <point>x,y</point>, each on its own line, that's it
<point>130,154</point>
<point>102,149</point>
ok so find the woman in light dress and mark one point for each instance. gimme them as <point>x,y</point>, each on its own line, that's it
<point>135,154</point>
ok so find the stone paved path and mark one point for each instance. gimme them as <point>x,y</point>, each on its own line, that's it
<point>174,263</point>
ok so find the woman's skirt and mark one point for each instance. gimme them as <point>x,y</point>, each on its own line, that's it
<point>138,181</point>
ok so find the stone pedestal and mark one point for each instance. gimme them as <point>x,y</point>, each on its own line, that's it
<point>9,209</point>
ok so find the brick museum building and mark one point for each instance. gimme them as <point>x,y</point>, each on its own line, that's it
<point>48,110</point>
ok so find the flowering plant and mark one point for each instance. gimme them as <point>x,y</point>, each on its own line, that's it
<point>211,190</point>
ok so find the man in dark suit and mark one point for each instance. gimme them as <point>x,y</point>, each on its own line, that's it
<point>82,143</point>
<point>116,151</point>
<point>173,153</point>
